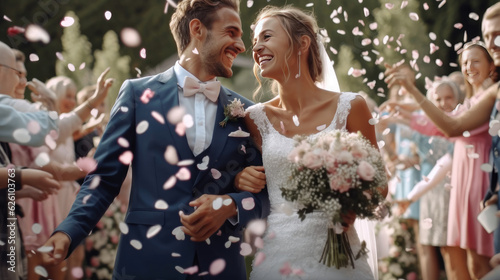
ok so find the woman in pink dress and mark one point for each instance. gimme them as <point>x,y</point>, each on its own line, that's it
<point>471,246</point>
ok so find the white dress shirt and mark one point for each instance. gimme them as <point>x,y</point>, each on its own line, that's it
<point>203,111</point>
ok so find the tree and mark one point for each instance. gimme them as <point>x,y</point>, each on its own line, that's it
<point>76,55</point>
<point>110,56</point>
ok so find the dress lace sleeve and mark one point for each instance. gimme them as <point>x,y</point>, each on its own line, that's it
<point>257,114</point>
<point>343,109</point>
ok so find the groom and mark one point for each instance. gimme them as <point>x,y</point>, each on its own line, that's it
<point>182,184</point>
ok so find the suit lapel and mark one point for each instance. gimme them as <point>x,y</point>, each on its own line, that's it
<point>169,99</point>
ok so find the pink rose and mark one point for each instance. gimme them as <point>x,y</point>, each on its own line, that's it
<point>344,156</point>
<point>411,276</point>
<point>114,239</point>
<point>366,171</point>
<point>238,112</point>
<point>312,160</point>
<point>357,151</point>
<point>94,261</point>
<point>339,185</point>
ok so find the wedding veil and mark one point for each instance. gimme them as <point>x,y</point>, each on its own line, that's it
<point>365,228</point>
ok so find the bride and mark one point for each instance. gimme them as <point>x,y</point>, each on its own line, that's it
<point>287,50</point>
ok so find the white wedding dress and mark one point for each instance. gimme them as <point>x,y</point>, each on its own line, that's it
<point>293,248</point>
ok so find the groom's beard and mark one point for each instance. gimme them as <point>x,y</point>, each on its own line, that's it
<point>212,59</point>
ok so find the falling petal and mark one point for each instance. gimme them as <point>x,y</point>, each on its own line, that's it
<point>175,255</point>
<point>107,15</point>
<point>152,231</point>
<point>234,239</point>
<point>441,4</point>
<point>474,16</point>
<point>35,33</point>
<point>187,120</point>
<point>195,51</point>
<point>427,59</point>
<point>183,174</point>
<point>36,228</point>
<point>389,5</point>
<point>185,162</point>
<point>170,183</point>
<point>204,163</point>
<point>308,5</point>
<point>245,249</point>
<point>336,20</point>
<point>40,270</point>
<point>414,16</point>
<point>227,244</point>
<point>433,48</point>
<point>67,21</point>
<point>282,126</point>
<point>124,109</point>
<point>7,18</point>
<point>42,159</point>
<point>126,157</point>
<point>191,270</point>
<point>341,32</point>
<point>123,142</point>
<point>432,36</point>
<point>373,121</point>
<point>466,134</point>
<point>77,272</point>
<point>249,3</point>
<point>371,84</point>
<point>473,155</point>
<point>157,116</point>
<point>45,249</point>
<point>404,4</point>
<point>71,67</point>
<point>123,227</point>
<point>243,149</point>
<point>486,167</point>
<point>439,62</point>
<point>86,164</point>
<point>366,12</point>
<point>136,244</point>
<point>180,129</point>
<point>130,37</point>
<point>95,182</point>
<point>34,57</point>
<point>259,258</point>
<point>142,127</point>
<point>497,41</point>
<point>217,266</point>
<point>81,67</point>
<point>286,269</point>
<point>147,95</point>
<point>171,155</point>
<point>458,46</point>
<point>179,269</point>
<point>366,42</point>
<point>248,203</point>
<point>257,227</point>
<point>21,135</point>
<point>321,127</point>
<point>217,203</point>
<point>494,128</point>
<point>426,6</point>
<point>373,26</point>
<point>427,223</point>
<point>215,173</point>
<point>161,204</point>
<point>381,144</point>
<point>227,202</point>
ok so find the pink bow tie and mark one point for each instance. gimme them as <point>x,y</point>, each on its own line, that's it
<point>210,89</point>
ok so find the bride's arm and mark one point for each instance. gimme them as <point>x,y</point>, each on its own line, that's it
<point>252,178</point>
<point>358,121</point>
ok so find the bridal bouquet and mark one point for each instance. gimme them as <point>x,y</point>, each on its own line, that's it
<point>337,173</point>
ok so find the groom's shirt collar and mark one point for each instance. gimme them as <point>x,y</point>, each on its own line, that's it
<point>181,73</point>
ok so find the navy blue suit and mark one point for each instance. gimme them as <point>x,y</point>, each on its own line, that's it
<point>495,156</point>
<point>163,255</point>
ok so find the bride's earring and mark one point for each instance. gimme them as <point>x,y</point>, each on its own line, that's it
<point>298,75</point>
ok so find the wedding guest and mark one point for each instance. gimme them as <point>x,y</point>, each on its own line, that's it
<point>176,200</point>
<point>470,245</point>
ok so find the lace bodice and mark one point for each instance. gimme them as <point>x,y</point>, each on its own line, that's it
<point>276,147</point>
<point>288,240</point>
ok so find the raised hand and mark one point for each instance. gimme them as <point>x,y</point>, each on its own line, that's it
<point>40,93</point>
<point>102,89</point>
<point>205,220</point>
<point>395,76</point>
<point>41,180</point>
<point>251,179</point>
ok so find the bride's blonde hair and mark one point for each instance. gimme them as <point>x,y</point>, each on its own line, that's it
<point>296,23</point>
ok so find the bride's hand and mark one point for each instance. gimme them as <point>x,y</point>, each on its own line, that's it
<point>348,220</point>
<point>251,179</point>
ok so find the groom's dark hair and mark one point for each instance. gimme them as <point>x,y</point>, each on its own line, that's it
<point>204,10</point>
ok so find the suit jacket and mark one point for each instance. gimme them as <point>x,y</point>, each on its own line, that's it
<point>495,158</point>
<point>163,256</point>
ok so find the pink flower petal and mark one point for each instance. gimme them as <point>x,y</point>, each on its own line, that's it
<point>286,269</point>
<point>404,4</point>
<point>86,164</point>
<point>180,129</point>
<point>147,95</point>
<point>245,249</point>
<point>215,173</point>
<point>95,182</point>
<point>142,127</point>
<point>243,149</point>
<point>183,174</point>
<point>123,142</point>
<point>142,53</point>
<point>217,266</point>
<point>389,5</point>
<point>86,198</point>
<point>35,33</point>
<point>248,203</point>
<point>77,272</point>
<point>126,157</point>
<point>130,37</point>
<point>441,4</point>
<point>33,127</point>
<point>433,48</point>
<point>426,6</point>
<point>191,270</point>
<point>458,25</point>
<point>474,16</point>
<point>170,183</point>
<point>373,26</point>
<point>175,115</point>
<point>414,16</point>
<point>171,155</point>
<point>67,21</point>
<point>107,15</point>
<point>259,258</point>
<point>34,57</point>
<point>366,12</point>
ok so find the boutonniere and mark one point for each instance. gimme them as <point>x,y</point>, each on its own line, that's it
<point>233,111</point>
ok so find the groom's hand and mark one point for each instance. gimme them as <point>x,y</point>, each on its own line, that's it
<point>59,242</point>
<point>206,220</point>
